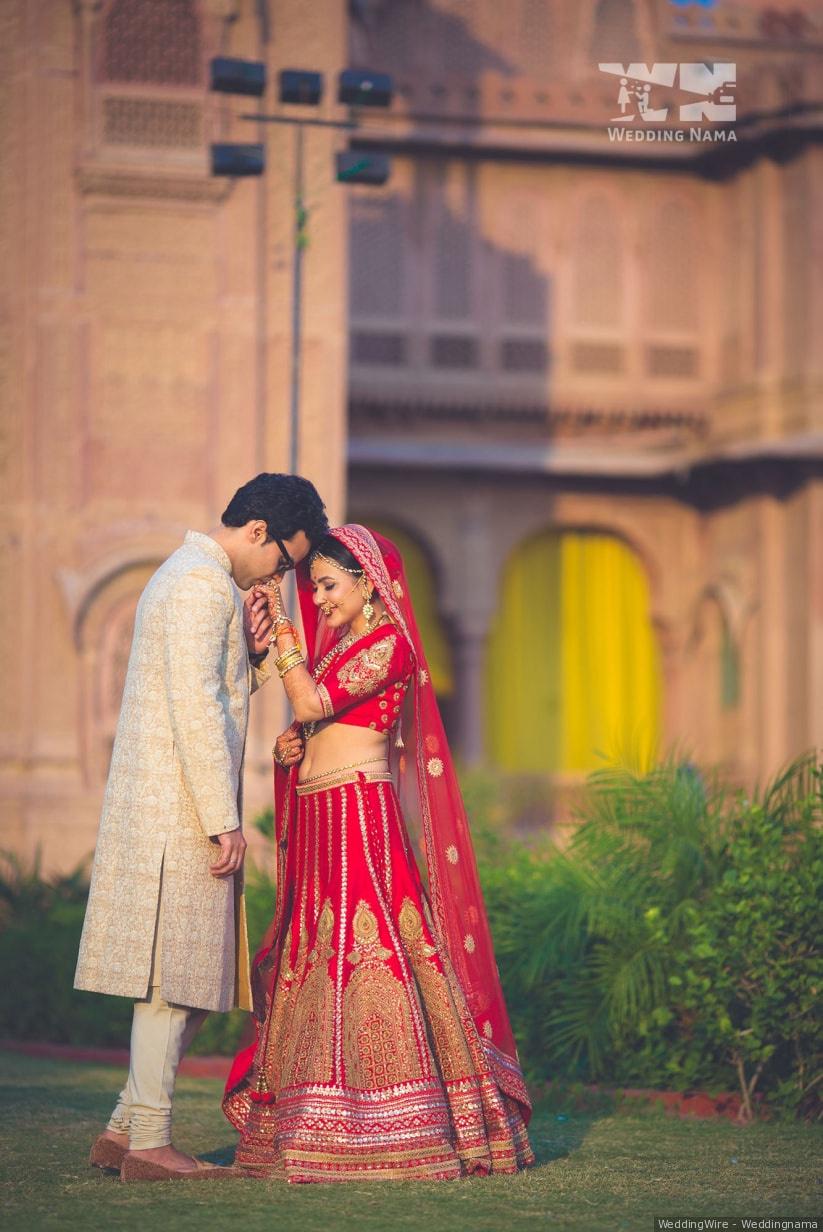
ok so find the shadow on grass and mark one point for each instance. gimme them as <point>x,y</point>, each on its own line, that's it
<point>222,1155</point>
<point>556,1136</point>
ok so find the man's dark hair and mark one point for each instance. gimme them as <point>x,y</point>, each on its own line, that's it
<point>286,503</point>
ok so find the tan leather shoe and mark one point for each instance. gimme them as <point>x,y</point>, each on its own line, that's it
<point>136,1169</point>
<point>107,1154</point>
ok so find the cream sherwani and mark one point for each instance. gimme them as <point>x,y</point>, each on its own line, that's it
<point>175,781</point>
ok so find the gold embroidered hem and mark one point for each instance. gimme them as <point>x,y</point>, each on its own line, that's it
<point>338,778</point>
<point>407,1135</point>
<point>368,1063</point>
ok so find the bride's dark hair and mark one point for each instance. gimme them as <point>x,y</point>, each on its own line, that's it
<point>334,550</point>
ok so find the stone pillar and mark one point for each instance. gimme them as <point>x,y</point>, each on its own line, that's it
<point>469,663</point>
<point>470,601</point>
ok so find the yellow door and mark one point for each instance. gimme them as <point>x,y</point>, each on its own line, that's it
<point>573,672</point>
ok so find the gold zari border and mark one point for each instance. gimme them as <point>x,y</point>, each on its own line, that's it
<point>341,778</point>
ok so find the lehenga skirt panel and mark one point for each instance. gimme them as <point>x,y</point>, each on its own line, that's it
<point>368,1064</point>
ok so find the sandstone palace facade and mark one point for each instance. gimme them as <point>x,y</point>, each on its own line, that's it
<point>576,373</point>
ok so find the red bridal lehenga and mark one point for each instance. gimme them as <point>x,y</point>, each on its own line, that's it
<point>383,1046</point>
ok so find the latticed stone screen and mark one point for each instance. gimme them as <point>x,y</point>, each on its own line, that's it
<point>151,122</point>
<point>150,77</point>
<point>154,41</point>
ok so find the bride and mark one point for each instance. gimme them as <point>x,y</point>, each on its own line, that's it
<point>383,1046</point>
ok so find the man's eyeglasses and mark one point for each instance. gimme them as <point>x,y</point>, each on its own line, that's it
<point>286,561</point>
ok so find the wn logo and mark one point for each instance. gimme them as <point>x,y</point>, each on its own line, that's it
<point>713,87</point>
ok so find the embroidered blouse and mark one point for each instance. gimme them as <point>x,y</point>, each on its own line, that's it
<point>365,684</point>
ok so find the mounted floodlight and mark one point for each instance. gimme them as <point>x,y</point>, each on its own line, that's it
<point>237,160</point>
<point>300,86</point>
<point>231,76</point>
<point>362,167</point>
<point>360,88</point>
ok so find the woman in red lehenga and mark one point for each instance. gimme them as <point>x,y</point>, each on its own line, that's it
<point>383,1046</point>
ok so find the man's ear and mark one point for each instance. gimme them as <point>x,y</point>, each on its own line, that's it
<point>258,531</point>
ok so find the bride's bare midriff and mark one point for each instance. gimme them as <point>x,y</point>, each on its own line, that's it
<point>335,745</point>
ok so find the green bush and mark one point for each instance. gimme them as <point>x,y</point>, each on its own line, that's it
<point>41,921</point>
<point>40,925</point>
<point>746,988</point>
<point>673,943</point>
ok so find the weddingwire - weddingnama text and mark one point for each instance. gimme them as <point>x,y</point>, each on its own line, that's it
<point>762,1224</point>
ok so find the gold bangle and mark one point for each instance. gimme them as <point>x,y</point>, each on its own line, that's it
<point>290,650</point>
<point>288,661</point>
<point>282,654</point>
<point>285,670</point>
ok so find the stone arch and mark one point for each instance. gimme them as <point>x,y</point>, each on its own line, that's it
<point>672,242</point>
<point>614,30</point>
<point>619,523</point>
<point>434,623</point>
<point>587,680</point>
<point>598,276</point>
<point>101,601</point>
<point>713,656</point>
<point>105,642</point>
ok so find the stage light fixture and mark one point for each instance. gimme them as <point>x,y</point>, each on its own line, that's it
<point>231,76</point>
<point>362,167</point>
<point>300,86</point>
<point>237,159</point>
<point>360,88</point>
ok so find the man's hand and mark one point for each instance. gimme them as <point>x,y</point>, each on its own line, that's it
<point>232,851</point>
<point>257,621</point>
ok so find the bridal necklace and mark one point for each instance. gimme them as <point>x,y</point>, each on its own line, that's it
<point>345,642</point>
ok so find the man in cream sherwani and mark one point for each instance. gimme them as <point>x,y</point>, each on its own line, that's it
<point>165,923</point>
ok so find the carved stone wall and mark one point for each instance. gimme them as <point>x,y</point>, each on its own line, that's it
<point>669,321</point>
<point>144,340</point>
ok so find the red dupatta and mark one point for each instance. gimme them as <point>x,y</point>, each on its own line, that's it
<point>433,810</point>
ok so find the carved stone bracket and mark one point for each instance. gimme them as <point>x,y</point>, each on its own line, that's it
<point>112,181</point>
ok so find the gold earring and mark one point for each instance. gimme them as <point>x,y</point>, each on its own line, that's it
<point>368,609</point>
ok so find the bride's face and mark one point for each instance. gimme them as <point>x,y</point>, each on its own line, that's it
<point>339,595</point>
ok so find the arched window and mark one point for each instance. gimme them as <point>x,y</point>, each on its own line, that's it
<point>715,661</point>
<point>671,292</point>
<point>598,266</point>
<point>376,264</point>
<point>615,37</point>
<point>104,640</point>
<point>585,683</point>
<point>671,301</point>
<point>423,587</point>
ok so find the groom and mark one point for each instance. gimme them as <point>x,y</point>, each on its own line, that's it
<point>165,923</point>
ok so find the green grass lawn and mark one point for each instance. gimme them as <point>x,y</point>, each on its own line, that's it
<point>601,1173</point>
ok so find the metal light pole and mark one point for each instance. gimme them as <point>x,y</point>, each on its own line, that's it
<point>304,88</point>
<point>300,239</point>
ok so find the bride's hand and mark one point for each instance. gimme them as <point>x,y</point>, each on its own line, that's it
<point>288,748</point>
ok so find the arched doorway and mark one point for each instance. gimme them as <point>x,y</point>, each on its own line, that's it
<point>573,671</point>
<point>422,581</point>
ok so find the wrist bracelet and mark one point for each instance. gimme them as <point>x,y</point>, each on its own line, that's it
<point>294,655</point>
<point>285,670</point>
